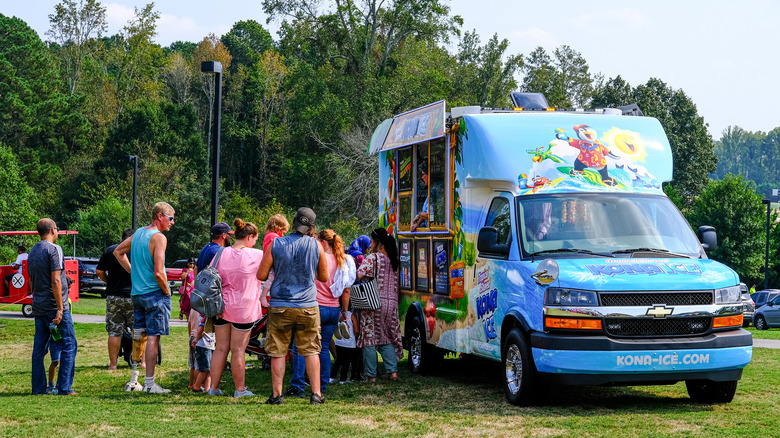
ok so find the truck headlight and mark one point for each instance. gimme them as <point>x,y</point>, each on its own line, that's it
<point>557,296</point>
<point>728,295</point>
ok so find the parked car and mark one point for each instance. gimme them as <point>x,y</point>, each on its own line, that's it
<point>768,315</point>
<point>748,306</point>
<point>174,274</point>
<point>764,296</point>
<point>89,282</point>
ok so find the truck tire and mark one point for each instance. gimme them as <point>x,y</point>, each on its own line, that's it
<point>520,377</point>
<point>710,391</point>
<point>423,357</point>
<point>760,323</point>
<point>27,310</point>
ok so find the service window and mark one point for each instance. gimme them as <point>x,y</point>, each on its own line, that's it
<point>441,259</point>
<point>405,268</point>
<point>405,212</point>
<point>436,185</point>
<point>421,255</point>
<point>423,172</point>
<point>499,216</point>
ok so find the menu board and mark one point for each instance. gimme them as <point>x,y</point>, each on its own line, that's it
<point>421,258</point>
<point>441,279</point>
<point>405,257</point>
<point>405,170</point>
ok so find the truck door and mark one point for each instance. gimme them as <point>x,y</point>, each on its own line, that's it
<point>499,214</point>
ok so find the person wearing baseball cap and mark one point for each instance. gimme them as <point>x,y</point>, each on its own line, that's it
<point>297,260</point>
<point>220,236</point>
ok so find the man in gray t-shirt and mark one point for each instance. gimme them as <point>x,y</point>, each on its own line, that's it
<point>49,286</point>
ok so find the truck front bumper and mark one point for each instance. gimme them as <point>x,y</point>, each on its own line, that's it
<point>597,360</point>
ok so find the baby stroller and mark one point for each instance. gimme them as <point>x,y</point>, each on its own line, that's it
<point>256,344</point>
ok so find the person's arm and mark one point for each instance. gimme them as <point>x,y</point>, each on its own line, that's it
<point>102,275</point>
<point>266,263</point>
<point>56,290</point>
<point>355,326</point>
<point>322,267</point>
<point>121,253</point>
<point>158,244</point>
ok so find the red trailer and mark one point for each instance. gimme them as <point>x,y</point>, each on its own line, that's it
<point>18,290</point>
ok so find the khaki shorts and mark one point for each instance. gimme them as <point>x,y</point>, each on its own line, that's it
<point>288,323</point>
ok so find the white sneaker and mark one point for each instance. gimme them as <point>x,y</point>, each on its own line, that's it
<point>215,392</point>
<point>332,380</point>
<point>245,393</point>
<point>156,389</point>
<point>130,387</point>
<point>343,328</point>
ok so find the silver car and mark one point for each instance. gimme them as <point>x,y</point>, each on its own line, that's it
<point>748,306</point>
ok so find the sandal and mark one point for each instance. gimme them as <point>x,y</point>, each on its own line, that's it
<point>371,380</point>
<point>393,376</point>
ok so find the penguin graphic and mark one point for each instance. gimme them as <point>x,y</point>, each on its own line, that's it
<point>592,152</point>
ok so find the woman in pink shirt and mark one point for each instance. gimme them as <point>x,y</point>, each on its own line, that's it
<point>237,267</point>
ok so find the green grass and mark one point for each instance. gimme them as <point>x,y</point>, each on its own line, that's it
<point>464,400</point>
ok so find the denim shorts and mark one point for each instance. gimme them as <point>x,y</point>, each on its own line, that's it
<point>55,349</point>
<point>152,311</point>
<point>202,359</point>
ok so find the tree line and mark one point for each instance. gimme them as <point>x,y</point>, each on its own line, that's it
<point>298,112</point>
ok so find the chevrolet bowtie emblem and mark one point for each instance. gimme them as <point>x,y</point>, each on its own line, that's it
<point>660,311</point>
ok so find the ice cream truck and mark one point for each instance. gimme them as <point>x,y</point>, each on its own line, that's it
<point>543,239</point>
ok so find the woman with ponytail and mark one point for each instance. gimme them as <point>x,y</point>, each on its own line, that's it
<point>380,330</point>
<point>341,275</point>
<point>237,267</point>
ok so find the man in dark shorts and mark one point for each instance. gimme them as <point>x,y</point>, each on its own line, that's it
<point>119,306</point>
<point>151,295</point>
<point>49,286</point>
<point>294,313</point>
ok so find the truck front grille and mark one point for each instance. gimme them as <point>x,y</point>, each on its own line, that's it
<point>640,327</point>
<point>699,298</point>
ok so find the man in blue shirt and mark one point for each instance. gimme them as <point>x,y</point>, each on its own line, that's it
<point>220,236</point>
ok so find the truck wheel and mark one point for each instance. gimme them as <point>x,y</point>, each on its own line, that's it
<point>710,391</point>
<point>760,323</point>
<point>27,310</point>
<point>520,373</point>
<point>423,357</point>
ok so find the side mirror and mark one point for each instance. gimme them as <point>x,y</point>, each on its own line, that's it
<point>487,242</point>
<point>708,238</point>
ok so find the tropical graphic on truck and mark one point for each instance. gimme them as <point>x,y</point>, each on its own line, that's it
<point>542,239</point>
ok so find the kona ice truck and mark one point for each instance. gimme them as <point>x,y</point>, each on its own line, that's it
<point>543,239</point>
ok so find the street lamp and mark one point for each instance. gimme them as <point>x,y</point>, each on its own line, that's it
<point>134,160</point>
<point>768,203</point>
<point>216,68</point>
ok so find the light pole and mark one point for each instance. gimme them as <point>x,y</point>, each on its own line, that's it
<point>768,203</point>
<point>134,160</point>
<point>216,68</point>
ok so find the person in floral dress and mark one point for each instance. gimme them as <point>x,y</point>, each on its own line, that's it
<point>380,330</point>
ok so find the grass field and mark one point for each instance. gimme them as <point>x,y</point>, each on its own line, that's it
<point>465,399</point>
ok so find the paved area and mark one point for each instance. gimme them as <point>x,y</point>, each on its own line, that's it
<point>89,319</point>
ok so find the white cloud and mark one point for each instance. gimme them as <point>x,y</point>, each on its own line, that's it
<point>117,16</point>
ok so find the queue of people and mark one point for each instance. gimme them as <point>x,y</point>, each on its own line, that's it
<point>302,280</point>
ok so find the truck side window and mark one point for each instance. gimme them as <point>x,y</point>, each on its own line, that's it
<point>436,210</point>
<point>499,217</point>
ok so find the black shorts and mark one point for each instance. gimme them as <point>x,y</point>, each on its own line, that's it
<point>219,322</point>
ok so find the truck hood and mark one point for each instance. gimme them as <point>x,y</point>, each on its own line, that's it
<point>620,274</point>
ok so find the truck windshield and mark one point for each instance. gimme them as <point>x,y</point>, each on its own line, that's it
<point>618,224</point>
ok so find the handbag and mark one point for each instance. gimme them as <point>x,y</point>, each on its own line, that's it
<point>365,296</point>
<point>206,296</point>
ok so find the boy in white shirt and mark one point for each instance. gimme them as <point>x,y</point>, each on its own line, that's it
<point>204,347</point>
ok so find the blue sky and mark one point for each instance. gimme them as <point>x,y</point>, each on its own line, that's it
<point>721,53</point>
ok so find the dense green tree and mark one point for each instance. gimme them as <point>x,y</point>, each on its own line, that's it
<point>101,225</point>
<point>564,78</point>
<point>75,27</point>
<point>246,42</point>
<point>17,199</point>
<point>733,207</point>
<point>483,76</point>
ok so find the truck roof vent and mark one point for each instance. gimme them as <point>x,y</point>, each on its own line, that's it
<point>529,100</point>
<point>631,110</point>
